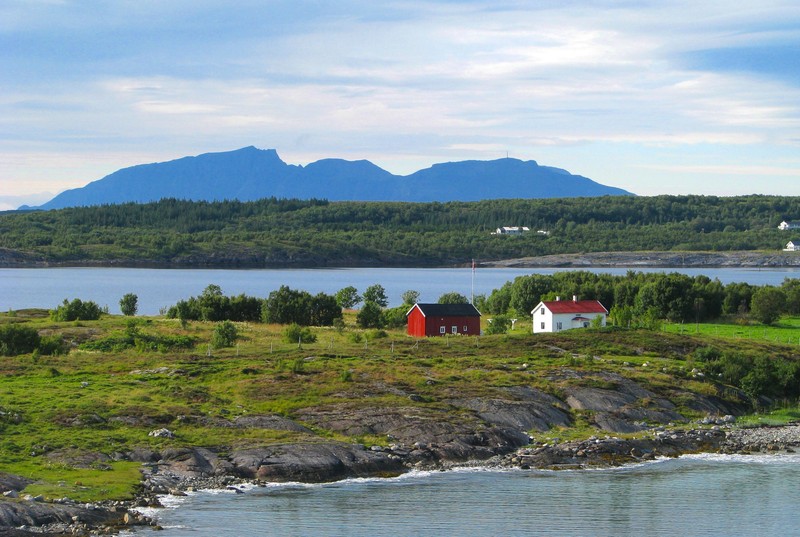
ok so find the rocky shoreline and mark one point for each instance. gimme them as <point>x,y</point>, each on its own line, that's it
<point>178,471</point>
<point>669,259</point>
<point>654,259</point>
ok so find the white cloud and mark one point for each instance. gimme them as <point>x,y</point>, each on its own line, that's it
<point>399,82</point>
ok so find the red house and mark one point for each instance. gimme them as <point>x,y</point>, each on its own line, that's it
<point>439,319</point>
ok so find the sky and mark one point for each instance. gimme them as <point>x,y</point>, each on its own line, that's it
<point>656,97</point>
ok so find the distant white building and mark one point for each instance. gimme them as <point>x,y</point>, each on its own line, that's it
<point>557,315</point>
<point>515,230</point>
<point>792,246</point>
<point>783,226</point>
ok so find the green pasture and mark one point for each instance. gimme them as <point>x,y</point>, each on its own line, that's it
<point>786,330</point>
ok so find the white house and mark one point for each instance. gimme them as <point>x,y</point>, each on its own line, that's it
<point>513,230</point>
<point>792,246</point>
<point>558,315</point>
<point>789,225</point>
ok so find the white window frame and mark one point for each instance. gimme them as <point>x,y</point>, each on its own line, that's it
<point>442,330</point>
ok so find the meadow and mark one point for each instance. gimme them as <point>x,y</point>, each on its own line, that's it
<point>66,420</point>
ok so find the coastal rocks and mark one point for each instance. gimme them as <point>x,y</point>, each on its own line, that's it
<point>621,407</point>
<point>541,414</point>
<point>655,259</point>
<point>161,433</point>
<point>762,439</point>
<point>9,482</point>
<point>320,462</point>
<point>445,435</point>
<point>60,517</point>
<point>611,451</point>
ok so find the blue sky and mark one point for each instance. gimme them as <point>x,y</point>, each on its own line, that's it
<point>661,97</point>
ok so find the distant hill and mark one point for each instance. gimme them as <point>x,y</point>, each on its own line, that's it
<point>250,173</point>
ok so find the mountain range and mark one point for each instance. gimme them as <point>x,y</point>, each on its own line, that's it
<point>250,173</point>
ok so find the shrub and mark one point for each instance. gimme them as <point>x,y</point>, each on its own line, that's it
<point>499,325</point>
<point>129,304</point>
<point>295,333</point>
<point>15,339</point>
<point>225,335</point>
<point>77,310</point>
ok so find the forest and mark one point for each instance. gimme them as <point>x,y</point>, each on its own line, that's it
<point>286,233</point>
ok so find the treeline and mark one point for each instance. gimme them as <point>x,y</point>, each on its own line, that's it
<point>277,232</point>
<point>645,299</point>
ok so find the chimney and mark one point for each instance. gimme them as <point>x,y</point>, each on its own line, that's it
<point>558,299</point>
<point>574,298</point>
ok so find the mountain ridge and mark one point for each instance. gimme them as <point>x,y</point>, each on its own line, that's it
<point>250,173</point>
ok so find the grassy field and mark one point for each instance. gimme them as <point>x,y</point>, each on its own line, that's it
<point>787,330</point>
<point>97,403</point>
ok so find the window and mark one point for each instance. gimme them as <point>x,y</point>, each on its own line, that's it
<point>558,326</point>
<point>542,310</point>
<point>441,330</point>
<point>465,328</point>
<point>454,329</point>
<point>542,326</point>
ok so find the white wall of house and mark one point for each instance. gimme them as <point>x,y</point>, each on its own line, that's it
<point>545,320</point>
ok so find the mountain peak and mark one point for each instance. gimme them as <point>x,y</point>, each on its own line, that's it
<point>250,173</point>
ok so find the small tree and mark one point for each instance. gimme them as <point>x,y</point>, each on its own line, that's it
<point>377,295</point>
<point>768,304</point>
<point>129,304</point>
<point>453,298</point>
<point>410,297</point>
<point>347,297</point>
<point>370,316</point>
<point>225,335</point>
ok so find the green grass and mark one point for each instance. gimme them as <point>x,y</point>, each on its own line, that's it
<point>108,401</point>
<point>781,416</point>
<point>786,330</point>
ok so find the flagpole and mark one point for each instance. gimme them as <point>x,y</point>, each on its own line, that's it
<point>472,292</point>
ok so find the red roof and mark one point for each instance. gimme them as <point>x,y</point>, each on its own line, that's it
<point>575,306</point>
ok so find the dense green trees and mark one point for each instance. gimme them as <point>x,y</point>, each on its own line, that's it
<point>643,299</point>
<point>273,232</point>
<point>212,305</point>
<point>286,306</point>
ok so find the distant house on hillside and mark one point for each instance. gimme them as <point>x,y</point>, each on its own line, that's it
<point>783,226</point>
<point>557,315</point>
<point>515,230</point>
<point>426,320</point>
<point>792,246</point>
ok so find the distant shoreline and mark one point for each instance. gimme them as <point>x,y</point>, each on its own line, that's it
<point>632,260</point>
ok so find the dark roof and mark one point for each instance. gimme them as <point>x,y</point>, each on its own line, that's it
<point>447,310</point>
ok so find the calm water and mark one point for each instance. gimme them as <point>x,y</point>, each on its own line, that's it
<point>708,495</point>
<point>159,288</point>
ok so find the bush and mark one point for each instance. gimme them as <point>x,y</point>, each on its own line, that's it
<point>225,335</point>
<point>499,325</point>
<point>295,333</point>
<point>77,310</point>
<point>52,345</point>
<point>15,339</point>
<point>370,316</point>
<point>129,304</point>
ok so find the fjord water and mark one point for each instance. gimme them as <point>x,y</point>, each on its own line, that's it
<point>708,495</point>
<point>160,288</point>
